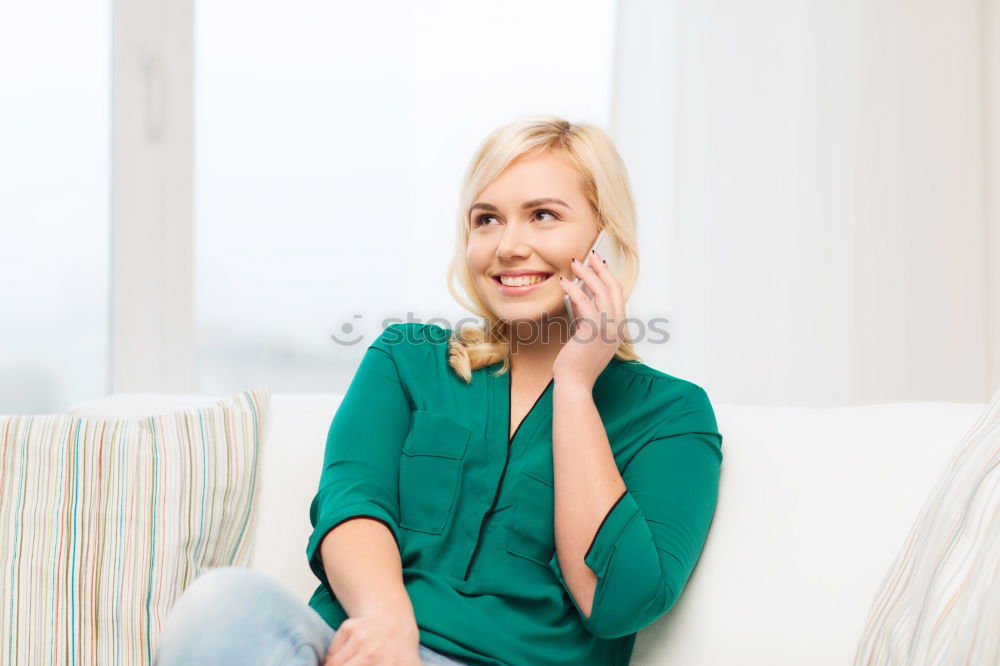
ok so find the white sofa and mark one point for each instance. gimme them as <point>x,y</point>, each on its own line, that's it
<point>814,505</point>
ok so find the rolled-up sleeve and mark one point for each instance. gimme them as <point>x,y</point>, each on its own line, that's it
<point>361,462</point>
<point>651,538</point>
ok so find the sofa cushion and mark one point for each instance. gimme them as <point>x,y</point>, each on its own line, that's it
<point>940,600</point>
<point>105,520</point>
<point>295,432</point>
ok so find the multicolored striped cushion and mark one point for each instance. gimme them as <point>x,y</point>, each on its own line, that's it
<point>104,522</point>
<point>940,600</point>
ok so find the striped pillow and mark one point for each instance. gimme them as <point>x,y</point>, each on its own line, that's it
<point>104,522</point>
<point>939,603</point>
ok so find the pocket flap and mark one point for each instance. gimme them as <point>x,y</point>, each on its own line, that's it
<point>433,434</point>
<point>531,533</point>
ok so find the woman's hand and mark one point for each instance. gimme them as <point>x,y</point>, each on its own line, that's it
<point>599,325</point>
<point>375,640</point>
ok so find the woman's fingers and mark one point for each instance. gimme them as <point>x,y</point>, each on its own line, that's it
<point>339,651</point>
<point>595,284</point>
<point>583,308</point>
<point>614,286</point>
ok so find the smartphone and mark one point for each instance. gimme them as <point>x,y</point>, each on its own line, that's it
<point>586,262</point>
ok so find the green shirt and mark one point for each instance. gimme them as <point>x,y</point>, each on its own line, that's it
<point>415,447</point>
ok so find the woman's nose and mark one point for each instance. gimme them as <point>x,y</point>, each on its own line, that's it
<point>513,243</point>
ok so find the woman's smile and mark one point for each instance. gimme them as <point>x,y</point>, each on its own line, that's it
<point>510,285</point>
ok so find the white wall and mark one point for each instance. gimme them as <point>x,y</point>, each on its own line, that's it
<point>814,195</point>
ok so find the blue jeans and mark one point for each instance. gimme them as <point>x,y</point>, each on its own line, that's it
<point>233,615</point>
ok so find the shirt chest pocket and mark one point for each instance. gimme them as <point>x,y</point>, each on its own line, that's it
<point>430,471</point>
<point>532,527</point>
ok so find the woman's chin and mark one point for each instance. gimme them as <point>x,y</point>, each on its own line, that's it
<point>531,311</point>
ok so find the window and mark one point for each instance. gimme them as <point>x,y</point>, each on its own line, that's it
<point>55,114</point>
<point>330,145</point>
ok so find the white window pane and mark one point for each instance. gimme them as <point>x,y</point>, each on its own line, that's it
<point>331,139</point>
<point>55,114</point>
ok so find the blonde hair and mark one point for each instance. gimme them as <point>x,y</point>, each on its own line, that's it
<point>590,150</point>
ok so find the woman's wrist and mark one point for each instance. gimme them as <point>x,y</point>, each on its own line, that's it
<point>395,605</point>
<point>402,621</point>
<point>567,384</point>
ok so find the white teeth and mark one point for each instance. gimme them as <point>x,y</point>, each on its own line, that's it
<point>522,281</point>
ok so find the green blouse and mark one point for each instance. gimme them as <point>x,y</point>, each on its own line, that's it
<point>471,508</point>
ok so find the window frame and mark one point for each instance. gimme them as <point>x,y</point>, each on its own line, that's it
<point>152,326</point>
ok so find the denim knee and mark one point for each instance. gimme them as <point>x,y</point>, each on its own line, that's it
<point>219,597</point>
<point>236,615</point>
<point>223,583</point>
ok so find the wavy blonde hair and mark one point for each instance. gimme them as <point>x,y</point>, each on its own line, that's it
<point>590,150</point>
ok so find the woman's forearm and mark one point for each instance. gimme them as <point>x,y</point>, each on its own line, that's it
<point>587,483</point>
<point>364,569</point>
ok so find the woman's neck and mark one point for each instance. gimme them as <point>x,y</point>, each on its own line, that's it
<point>533,350</point>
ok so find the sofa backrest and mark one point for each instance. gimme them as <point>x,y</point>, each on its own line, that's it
<point>814,505</point>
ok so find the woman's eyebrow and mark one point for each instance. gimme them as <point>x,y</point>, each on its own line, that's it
<point>525,206</point>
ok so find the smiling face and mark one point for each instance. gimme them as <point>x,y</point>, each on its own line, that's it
<point>534,218</point>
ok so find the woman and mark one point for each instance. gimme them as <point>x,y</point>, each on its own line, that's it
<point>510,494</point>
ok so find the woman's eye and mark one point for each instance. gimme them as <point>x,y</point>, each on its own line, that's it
<point>481,220</point>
